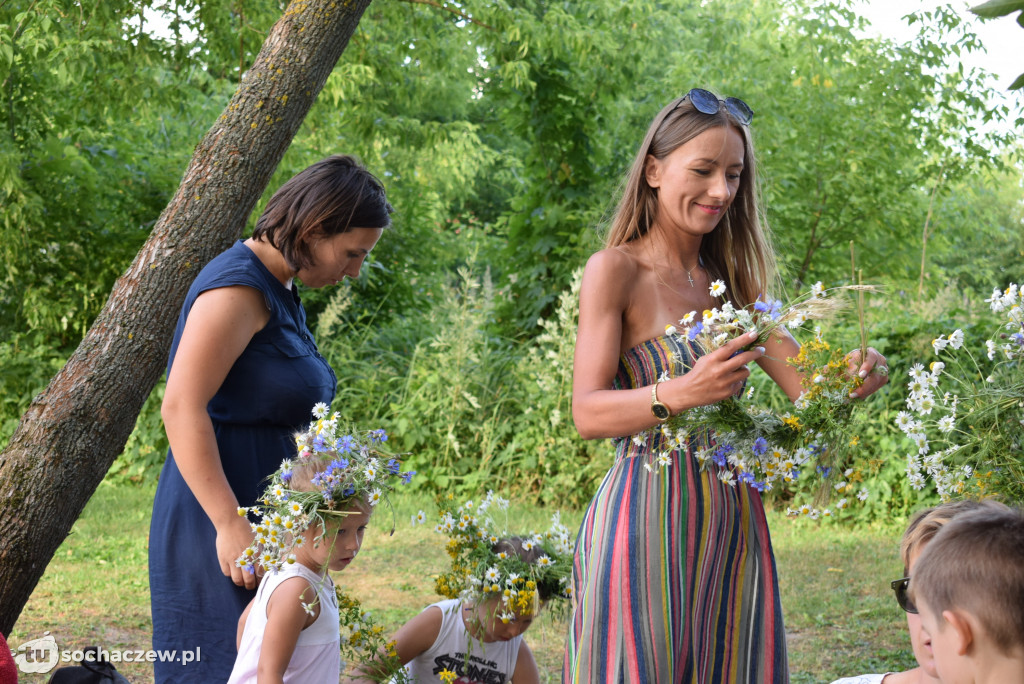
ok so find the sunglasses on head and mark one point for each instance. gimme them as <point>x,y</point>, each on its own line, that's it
<point>900,587</point>
<point>706,102</point>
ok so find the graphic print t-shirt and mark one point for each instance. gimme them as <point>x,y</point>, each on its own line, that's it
<point>491,663</point>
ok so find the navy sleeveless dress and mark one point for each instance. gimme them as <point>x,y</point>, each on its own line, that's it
<point>266,397</point>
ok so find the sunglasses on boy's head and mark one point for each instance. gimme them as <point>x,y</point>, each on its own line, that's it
<point>706,102</point>
<point>900,587</point>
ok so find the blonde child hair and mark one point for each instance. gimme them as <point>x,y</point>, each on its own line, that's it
<point>926,524</point>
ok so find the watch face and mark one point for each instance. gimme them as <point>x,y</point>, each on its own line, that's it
<point>660,411</point>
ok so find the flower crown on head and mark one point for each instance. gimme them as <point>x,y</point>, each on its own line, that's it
<point>487,563</point>
<point>333,470</point>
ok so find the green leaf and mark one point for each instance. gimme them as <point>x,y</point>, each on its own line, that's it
<point>998,8</point>
<point>1018,83</point>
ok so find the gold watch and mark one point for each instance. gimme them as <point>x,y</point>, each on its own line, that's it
<point>659,409</point>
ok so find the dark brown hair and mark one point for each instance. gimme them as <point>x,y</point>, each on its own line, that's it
<point>330,197</point>
<point>976,564</point>
<point>514,547</point>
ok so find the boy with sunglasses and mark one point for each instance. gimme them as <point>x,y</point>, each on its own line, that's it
<point>969,590</point>
<point>922,528</point>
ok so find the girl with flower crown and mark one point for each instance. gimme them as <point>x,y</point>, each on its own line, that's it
<point>289,632</point>
<point>674,577</point>
<point>310,519</point>
<point>242,374</point>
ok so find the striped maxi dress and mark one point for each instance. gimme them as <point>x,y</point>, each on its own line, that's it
<point>674,578</point>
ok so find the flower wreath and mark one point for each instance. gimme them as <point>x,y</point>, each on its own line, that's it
<point>335,468</point>
<point>488,562</point>
<point>753,444</point>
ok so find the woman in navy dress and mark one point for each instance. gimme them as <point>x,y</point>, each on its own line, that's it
<point>243,376</point>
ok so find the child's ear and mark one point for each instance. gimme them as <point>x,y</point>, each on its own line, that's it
<point>963,633</point>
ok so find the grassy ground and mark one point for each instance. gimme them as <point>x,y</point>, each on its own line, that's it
<point>840,615</point>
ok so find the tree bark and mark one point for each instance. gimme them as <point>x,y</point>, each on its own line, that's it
<point>73,431</point>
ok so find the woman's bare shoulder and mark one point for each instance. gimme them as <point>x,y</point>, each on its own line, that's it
<point>614,262</point>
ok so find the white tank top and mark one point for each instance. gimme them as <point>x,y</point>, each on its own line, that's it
<point>491,663</point>
<point>317,655</point>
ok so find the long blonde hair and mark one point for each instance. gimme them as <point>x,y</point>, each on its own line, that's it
<point>739,250</point>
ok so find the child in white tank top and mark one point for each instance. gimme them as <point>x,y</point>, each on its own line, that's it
<point>311,519</point>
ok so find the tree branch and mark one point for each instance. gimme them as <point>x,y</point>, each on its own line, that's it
<point>452,10</point>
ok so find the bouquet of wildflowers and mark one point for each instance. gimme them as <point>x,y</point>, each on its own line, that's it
<point>363,642</point>
<point>489,562</point>
<point>753,445</point>
<point>965,413</point>
<point>333,468</point>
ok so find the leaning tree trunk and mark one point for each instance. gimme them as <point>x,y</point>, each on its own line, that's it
<point>74,430</point>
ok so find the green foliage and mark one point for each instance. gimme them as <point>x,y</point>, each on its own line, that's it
<point>95,124</point>
<point>147,446</point>
<point>501,130</point>
<point>546,459</point>
<point>905,124</point>
<point>449,412</point>
<point>26,366</point>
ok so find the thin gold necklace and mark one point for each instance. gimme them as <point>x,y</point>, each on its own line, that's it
<point>661,280</point>
<point>688,272</point>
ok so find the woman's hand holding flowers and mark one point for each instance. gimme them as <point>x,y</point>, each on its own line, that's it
<point>717,375</point>
<point>872,370</point>
<point>233,537</point>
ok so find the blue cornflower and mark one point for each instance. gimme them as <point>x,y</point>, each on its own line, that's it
<point>695,330</point>
<point>824,470</point>
<point>394,466</point>
<point>345,444</point>
<point>318,443</point>
<point>761,306</point>
<point>760,446</point>
<point>339,464</point>
<point>407,477</point>
<point>379,435</point>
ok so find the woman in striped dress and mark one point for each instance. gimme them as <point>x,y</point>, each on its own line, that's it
<point>674,577</point>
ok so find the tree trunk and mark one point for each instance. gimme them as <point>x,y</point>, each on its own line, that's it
<point>73,431</point>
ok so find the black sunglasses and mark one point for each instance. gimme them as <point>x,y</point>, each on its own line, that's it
<point>706,102</point>
<point>900,587</point>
